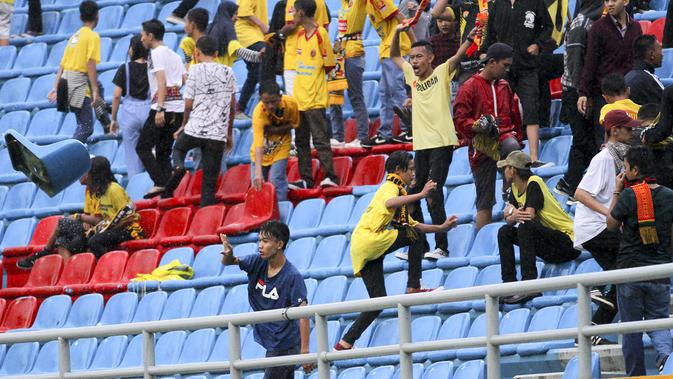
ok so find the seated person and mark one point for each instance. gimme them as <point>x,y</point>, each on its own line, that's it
<point>535,222</point>
<point>109,219</point>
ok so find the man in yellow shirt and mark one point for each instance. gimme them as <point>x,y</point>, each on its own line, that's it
<point>384,228</point>
<point>273,119</point>
<point>6,10</point>
<point>78,69</point>
<point>251,25</point>
<point>616,95</point>
<point>314,59</point>
<point>384,16</point>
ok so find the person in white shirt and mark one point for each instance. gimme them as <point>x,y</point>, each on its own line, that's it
<point>166,75</point>
<point>594,194</point>
<point>208,118</point>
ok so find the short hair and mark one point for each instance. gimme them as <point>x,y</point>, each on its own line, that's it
<point>423,43</point>
<point>642,158</point>
<point>648,112</point>
<point>277,230</point>
<point>88,11</point>
<point>398,159</point>
<point>139,50</point>
<point>269,87</point>
<point>199,16</point>
<point>207,46</point>
<point>643,44</point>
<point>524,174</point>
<point>613,85</point>
<point>308,6</point>
<point>155,28</point>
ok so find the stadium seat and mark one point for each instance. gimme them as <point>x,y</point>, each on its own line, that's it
<point>572,369</point>
<point>197,346</point>
<point>462,277</point>
<point>37,97</point>
<point>19,358</point>
<point>417,372</point>
<point>52,313</point>
<point>45,205</point>
<point>250,349</point>
<point>562,200</point>
<point>666,69</point>
<point>454,327</point>
<point>330,290</point>
<point>300,253</point>
<point>333,332</point>
<point>438,370</point>
<point>342,169</point>
<point>202,230</point>
<point>44,126</point>
<point>7,56</point>
<point>45,272</point>
<point>369,171</point>
<point>335,217</point>
<point>109,353</point>
<point>305,217</point>
<point>327,256</point>
<point>360,343</point>
<point>353,373</point>
<point>40,236</point>
<point>18,23</point>
<point>173,223</point>
<point>241,153</point>
<point>515,321</point>
<point>236,301</point>
<point>220,351</point>
<point>77,270</point>
<point>7,173</point>
<point>206,267</point>
<point>19,314</point>
<point>234,184</point>
<point>387,333</point>
<point>150,307</point>
<point>109,269</point>
<point>208,302</point>
<point>260,207</point>
<point>396,284</point>
<point>471,370</point>
<point>232,274</point>
<point>81,352</point>
<point>359,209</point>
<point>142,203</point>
<point>460,241</point>
<point>18,201</point>
<point>477,329</point>
<point>179,304</point>
<point>140,262</point>
<point>107,149</point>
<point>73,198</point>
<point>138,185</point>
<point>166,11</point>
<point>555,150</point>
<point>188,192</point>
<point>285,209</point>
<point>133,357</point>
<point>119,309</point>
<point>109,19</point>
<point>30,56</point>
<point>459,171</point>
<point>382,372</point>
<point>553,297</point>
<point>118,54</point>
<point>105,79</point>
<point>484,252</point>
<point>462,203</point>
<point>183,254</point>
<point>85,311</point>
<point>544,319</point>
<point>17,120</point>
<point>134,17</point>
<point>168,347</point>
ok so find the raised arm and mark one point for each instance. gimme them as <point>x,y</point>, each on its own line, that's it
<point>455,60</point>
<point>395,53</point>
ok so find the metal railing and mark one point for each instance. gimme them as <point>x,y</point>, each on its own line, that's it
<point>405,348</point>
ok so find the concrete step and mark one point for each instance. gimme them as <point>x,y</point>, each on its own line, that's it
<point>612,358</point>
<point>559,375</point>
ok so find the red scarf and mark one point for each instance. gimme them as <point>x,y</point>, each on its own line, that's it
<point>645,209</point>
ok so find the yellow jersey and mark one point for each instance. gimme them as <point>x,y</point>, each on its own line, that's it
<point>83,46</point>
<point>247,32</point>
<point>321,18</point>
<point>552,215</point>
<point>351,22</point>
<point>315,58</point>
<point>187,46</point>
<point>382,16</point>
<point>109,204</point>
<point>626,105</point>
<point>276,147</point>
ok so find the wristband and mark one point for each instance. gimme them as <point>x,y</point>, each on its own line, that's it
<point>616,193</point>
<point>471,40</point>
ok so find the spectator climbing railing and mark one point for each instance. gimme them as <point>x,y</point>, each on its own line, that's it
<point>324,355</point>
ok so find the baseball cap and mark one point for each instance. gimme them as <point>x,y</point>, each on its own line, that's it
<point>618,118</point>
<point>517,159</point>
<point>498,51</point>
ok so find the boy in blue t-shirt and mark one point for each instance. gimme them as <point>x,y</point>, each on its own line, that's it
<point>274,283</point>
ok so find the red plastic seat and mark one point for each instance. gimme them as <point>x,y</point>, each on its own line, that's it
<point>174,223</point>
<point>196,183</point>
<point>43,230</point>
<point>140,262</point>
<point>234,184</point>
<point>202,230</point>
<point>657,28</point>
<point>293,169</point>
<point>259,207</point>
<point>369,171</point>
<point>645,25</point>
<point>555,88</point>
<point>149,219</point>
<point>19,313</point>
<point>182,192</point>
<point>109,269</point>
<point>45,272</point>
<point>3,306</point>
<point>76,271</point>
<point>341,165</point>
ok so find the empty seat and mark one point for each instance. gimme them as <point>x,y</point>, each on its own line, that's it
<point>462,203</point>
<point>119,309</point>
<point>45,272</point>
<point>260,207</point>
<point>477,329</point>
<point>544,319</point>
<point>19,358</point>
<point>438,370</point>
<point>369,171</point>
<point>484,252</point>
<point>515,321</point>
<point>188,192</point>
<point>173,223</point>
<point>205,271</point>
<point>30,56</point>
<point>18,201</point>
<point>179,304</point>
<point>459,170</point>
<point>138,185</point>
<point>109,353</point>
<point>462,277</point>
<point>168,347</point>
<point>14,93</point>
<point>7,56</point>
<point>387,333</point>
<point>73,198</point>
<point>454,327</point>
<point>202,230</point>
<point>300,253</point>
<point>460,241</point>
<point>236,300</point>
<point>109,269</point>
<point>17,120</point>
<point>330,290</point>
<point>396,284</point>
<point>233,274</point>
<point>109,19</point>
<point>45,205</point>
<point>335,217</point>
<point>85,311</point>
<point>77,270</point>
<point>52,313</point>
<point>556,150</point>
<point>37,97</point>
<point>554,297</point>
<point>327,256</point>
<point>360,343</point>
<point>40,236</point>
<point>208,302</point>
<point>572,370</point>
<point>305,217</point>
<point>81,353</point>
<point>140,262</point>
<point>150,307</point>
<point>133,18</point>
<point>220,351</point>
<point>7,173</point>
<point>470,370</point>
<point>359,208</point>
<point>19,314</point>
<point>197,346</point>
<point>234,184</point>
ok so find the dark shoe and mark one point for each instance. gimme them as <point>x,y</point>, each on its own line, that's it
<point>403,137</point>
<point>539,164</point>
<point>154,191</point>
<point>404,114</point>
<point>298,185</point>
<point>173,182</point>
<point>562,188</point>
<point>27,263</point>
<point>375,141</point>
<point>521,298</point>
<point>662,363</point>
<point>599,298</point>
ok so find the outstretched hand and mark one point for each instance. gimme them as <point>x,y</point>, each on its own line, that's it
<point>429,186</point>
<point>450,222</point>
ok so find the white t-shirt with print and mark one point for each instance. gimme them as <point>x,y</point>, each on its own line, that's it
<point>164,59</point>
<point>211,86</point>
<point>599,181</point>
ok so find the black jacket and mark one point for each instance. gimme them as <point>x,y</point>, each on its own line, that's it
<point>519,25</point>
<point>645,89</point>
<point>664,127</point>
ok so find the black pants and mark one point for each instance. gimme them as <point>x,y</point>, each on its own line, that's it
<point>604,248</point>
<point>254,73</point>
<point>34,16</point>
<point>101,243</point>
<point>372,276</point>
<point>158,165</point>
<point>433,164</point>
<point>211,162</point>
<point>184,7</point>
<point>280,372</point>
<point>533,239</point>
<point>584,146</point>
<point>70,235</point>
<point>313,123</point>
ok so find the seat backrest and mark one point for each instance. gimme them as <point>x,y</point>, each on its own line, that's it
<point>353,373</point>
<point>109,353</point>
<point>462,199</point>
<point>438,370</point>
<point>46,271</point>
<point>14,90</point>
<point>3,193</point>
<point>470,370</point>
<point>307,214</point>
<point>285,209</point>
<point>133,357</point>
<point>47,359</point>
<point>169,346</point>
<point>174,222</point>
<point>138,13</point>
<point>330,290</point>
<point>19,358</point>
<point>31,55</point>
<point>119,309</point>
<point>236,300</point>
<point>140,262</point>
<point>461,277</point>
<point>149,219</point>
<point>486,241</point>
<point>7,56</point>
<point>329,252</point>
<point>120,50</point>
<point>343,169</point>
<point>657,29</point>
<point>568,318</point>
<point>300,252</point>
<point>17,120</point>
<point>198,346</point>
<point>150,307</point>
<point>20,196</point>
<point>572,369</point>
<point>460,164</point>
<point>85,311</point>
<point>338,211</point>
<point>78,269</point>
<point>179,304</point>
<point>183,254</point>
<point>73,194</point>
<point>235,214</point>
<point>425,328</point>
<point>220,351</point>
<point>381,372</point>
<point>109,18</point>
<point>556,150</point>
<point>489,275</point>
<point>293,168</point>
<point>359,208</point>
<point>53,312</point>
<point>250,348</point>
<point>70,22</point>
<point>546,319</point>
<point>18,233</point>
<point>369,171</point>
<point>56,51</point>
<point>456,326</point>
<point>203,264</point>
<point>262,204</point>
<point>515,321</point>
<point>41,87</point>
<point>460,239</point>
<point>82,351</point>
<point>206,220</point>
<point>208,302</point>
<point>20,313</point>
<point>45,122</point>
<point>138,185</point>
<point>106,149</point>
<point>110,267</point>
<point>235,180</point>
<point>43,230</point>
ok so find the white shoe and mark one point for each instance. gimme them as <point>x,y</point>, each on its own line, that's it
<point>403,255</point>
<point>327,182</point>
<point>241,116</point>
<point>354,144</point>
<point>173,19</point>
<point>436,254</point>
<point>335,142</point>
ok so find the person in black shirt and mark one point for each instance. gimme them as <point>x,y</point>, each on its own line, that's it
<point>131,82</point>
<point>645,86</point>
<point>642,243</point>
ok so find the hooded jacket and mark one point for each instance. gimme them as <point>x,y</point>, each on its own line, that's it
<point>477,97</point>
<point>576,41</point>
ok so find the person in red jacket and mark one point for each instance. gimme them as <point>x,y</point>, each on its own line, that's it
<point>487,117</point>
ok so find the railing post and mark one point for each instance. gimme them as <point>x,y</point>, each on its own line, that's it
<point>322,346</point>
<point>148,353</point>
<point>63,357</point>
<point>234,350</point>
<point>492,329</point>
<point>404,325</point>
<point>583,319</point>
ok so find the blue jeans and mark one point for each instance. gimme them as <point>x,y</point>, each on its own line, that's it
<point>84,118</point>
<point>391,93</point>
<point>354,69</point>
<point>276,174</point>
<point>648,301</point>
<point>132,116</point>
<point>254,73</point>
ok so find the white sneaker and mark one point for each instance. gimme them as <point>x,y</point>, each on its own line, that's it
<point>241,116</point>
<point>403,255</point>
<point>335,142</point>
<point>436,254</point>
<point>173,19</point>
<point>327,182</point>
<point>354,144</point>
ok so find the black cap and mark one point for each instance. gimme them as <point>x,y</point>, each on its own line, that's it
<point>498,51</point>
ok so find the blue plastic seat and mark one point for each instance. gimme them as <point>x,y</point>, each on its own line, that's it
<point>73,198</point>
<point>477,329</point>
<point>561,199</point>
<point>372,62</point>
<point>44,205</point>
<point>360,343</point>
<point>133,18</point>
<point>460,241</point>
<point>544,319</point>
<point>334,218</point>
<point>462,203</point>
<point>18,201</point>
<point>85,311</point>
<point>13,93</point>
<point>197,347</point>
<point>68,126</point>
<point>109,353</point>
<point>459,171</point>
<point>7,56</point>
<point>554,297</point>
<point>183,254</point>
<point>18,23</point>
<point>69,24</point>
<point>346,265</point>
<point>331,290</point>
<point>485,252</point>
<point>44,126</point>
<point>454,327</point>
<point>19,358</point>
<point>311,286</point>
<point>462,277</point>
<point>208,302</point>
<point>47,359</point>
<point>18,233</point>
<point>285,209</point>
<point>556,150</point>
<point>52,313</point>
<point>327,257</point>
<point>306,217</point>
<point>353,373</point>
<point>179,304</point>
<point>300,253</point>
<point>17,120</point>
<point>166,11</point>
<point>133,357</point>
<point>241,153</point>
<point>82,351</point>
<point>168,347</point>
<point>572,369</point>
<point>30,56</point>
<point>416,373</point>
<point>150,307</point>
<point>106,149</point>
<point>118,55</point>
<point>666,69</point>
<point>7,173</point>
<point>382,372</point>
<point>396,284</point>
<point>220,351</point>
<point>333,333</point>
<point>109,19</point>
<point>471,370</point>
<point>138,185</point>
<point>37,97</point>
<point>387,333</point>
<point>439,370</point>
<point>359,208</point>
<point>105,80</point>
<point>205,272</point>
<point>356,291</point>
<point>119,309</point>
<point>236,300</point>
<point>3,194</point>
<point>515,321</point>
<point>250,349</point>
